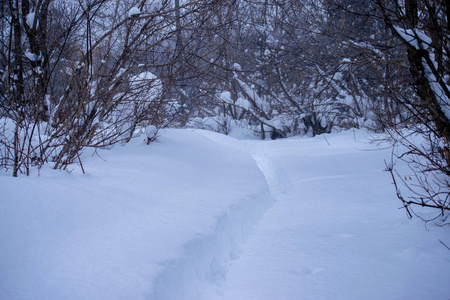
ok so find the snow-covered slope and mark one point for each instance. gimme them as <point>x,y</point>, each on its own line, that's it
<point>198,215</point>
<point>335,231</point>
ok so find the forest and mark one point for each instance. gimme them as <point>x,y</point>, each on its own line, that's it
<point>79,74</point>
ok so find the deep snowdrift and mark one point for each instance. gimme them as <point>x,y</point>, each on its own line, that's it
<point>198,215</point>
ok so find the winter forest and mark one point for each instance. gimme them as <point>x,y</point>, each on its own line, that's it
<point>82,74</point>
<point>89,75</point>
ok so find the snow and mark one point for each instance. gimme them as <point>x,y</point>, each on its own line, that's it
<point>415,37</point>
<point>31,56</point>
<point>419,40</point>
<point>150,131</point>
<point>30,19</point>
<point>144,76</point>
<point>154,85</point>
<point>437,89</point>
<point>134,11</point>
<point>200,215</point>
<point>225,97</point>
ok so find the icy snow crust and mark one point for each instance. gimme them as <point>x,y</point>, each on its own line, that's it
<point>198,215</point>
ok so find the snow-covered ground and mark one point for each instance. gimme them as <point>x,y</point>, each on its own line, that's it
<point>199,215</point>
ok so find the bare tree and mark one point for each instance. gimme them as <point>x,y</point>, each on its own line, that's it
<point>424,29</point>
<point>77,75</point>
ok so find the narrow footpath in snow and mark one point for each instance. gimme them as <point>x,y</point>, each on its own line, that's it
<point>202,216</point>
<point>334,230</point>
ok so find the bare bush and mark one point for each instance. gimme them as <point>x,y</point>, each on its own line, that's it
<point>77,75</point>
<point>423,28</point>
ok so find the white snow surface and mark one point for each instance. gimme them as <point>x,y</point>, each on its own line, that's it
<point>199,215</point>
<point>134,11</point>
<point>30,19</point>
<point>31,56</point>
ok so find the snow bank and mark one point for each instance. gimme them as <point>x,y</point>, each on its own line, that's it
<point>199,215</point>
<point>133,11</point>
<point>335,230</point>
<point>140,214</point>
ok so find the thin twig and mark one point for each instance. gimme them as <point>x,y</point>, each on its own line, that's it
<point>445,245</point>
